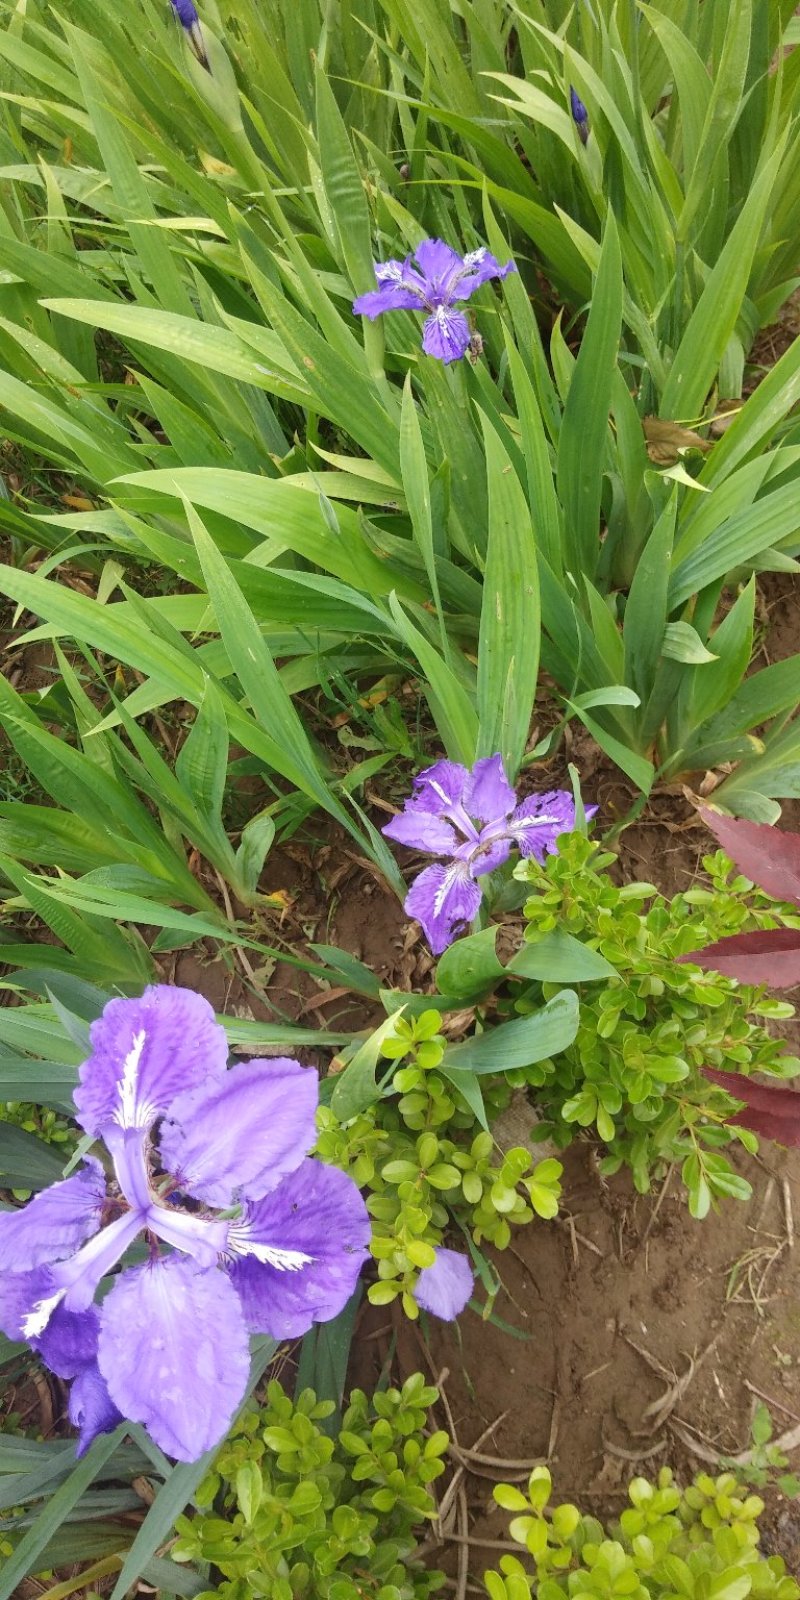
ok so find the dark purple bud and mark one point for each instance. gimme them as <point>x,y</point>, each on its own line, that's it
<point>186,12</point>
<point>580,115</point>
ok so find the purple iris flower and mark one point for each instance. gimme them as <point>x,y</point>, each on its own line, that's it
<point>580,115</point>
<point>445,1287</point>
<point>186,12</point>
<point>473,820</point>
<point>168,1345</point>
<point>443,279</point>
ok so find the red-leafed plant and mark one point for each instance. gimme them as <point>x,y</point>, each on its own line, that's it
<point>770,857</point>
<point>768,1110</point>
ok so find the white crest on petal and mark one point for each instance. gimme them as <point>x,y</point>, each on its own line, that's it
<point>273,1255</point>
<point>240,1243</point>
<point>474,258</point>
<point>459,870</point>
<point>389,272</point>
<point>540,821</point>
<point>37,1319</point>
<point>126,1114</point>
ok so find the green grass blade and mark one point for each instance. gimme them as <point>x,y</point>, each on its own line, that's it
<point>23,1561</point>
<point>453,710</point>
<point>646,607</point>
<point>714,317</point>
<point>416,483</point>
<point>268,505</point>
<point>774,398</point>
<point>200,343</point>
<point>692,81</point>
<point>344,188</point>
<point>740,539</point>
<point>105,952</point>
<point>94,67</point>
<point>583,439</point>
<point>258,675</point>
<point>508,646</point>
<point>521,1042</point>
<point>541,489</point>
<point>722,111</point>
<point>202,763</point>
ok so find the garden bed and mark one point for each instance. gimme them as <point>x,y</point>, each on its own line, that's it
<point>641,1337</point>
<point>627,1335</point>
<point>402,456</point>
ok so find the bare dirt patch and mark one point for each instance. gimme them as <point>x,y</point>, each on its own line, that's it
<point>644,1338</point>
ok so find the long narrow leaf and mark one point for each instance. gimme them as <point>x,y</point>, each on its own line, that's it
<point>584,433</point>
<point>508,646</point>
<point>29,1550</point>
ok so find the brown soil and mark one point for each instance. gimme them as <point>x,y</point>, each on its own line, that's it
<point>331,898</point>
<point>649,1338</point>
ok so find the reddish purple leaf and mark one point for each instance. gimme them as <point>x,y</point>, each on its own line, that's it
<point>770,856</point>
<point>771,1111</point>
<point>770,956</point>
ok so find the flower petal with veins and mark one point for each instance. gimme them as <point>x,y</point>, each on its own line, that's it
<point>174,1353</point>
<point>55,1222</point>
<point>144,1053</point>
<point>243,1133</point>
<point>317,1221</point>
<point>445,335</point>
<point>443,899</point>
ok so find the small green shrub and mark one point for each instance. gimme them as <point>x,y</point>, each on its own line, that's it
<point>633,1073</point>
<point>418,1153</point>
<point>669,1543</point>
<point>289,1513</point>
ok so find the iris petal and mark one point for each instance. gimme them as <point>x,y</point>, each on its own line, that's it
<point>69,1342</point>
<point>439,264</point>
<point>422,830</point>
<point>445,1287</point>
<point>492,850</point>
<point>480,266</point>
<point>443,899</point>
<point>391,297</point>
<point>20,1293</point>
<point>204,1239</point>
<point>400,288</point>
<point>173,1351</point>
<point>538,821</point>
<point>78,1279</point>
<point>91,1409</point>
<point>440,788</point>
<point>242,1135</point>
<point>489,795</point>
<point>445,335</point>
<point>316,1224</point>
<point>128,1148</point>
<point>54,1223</point>
<point>144,1053</point>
